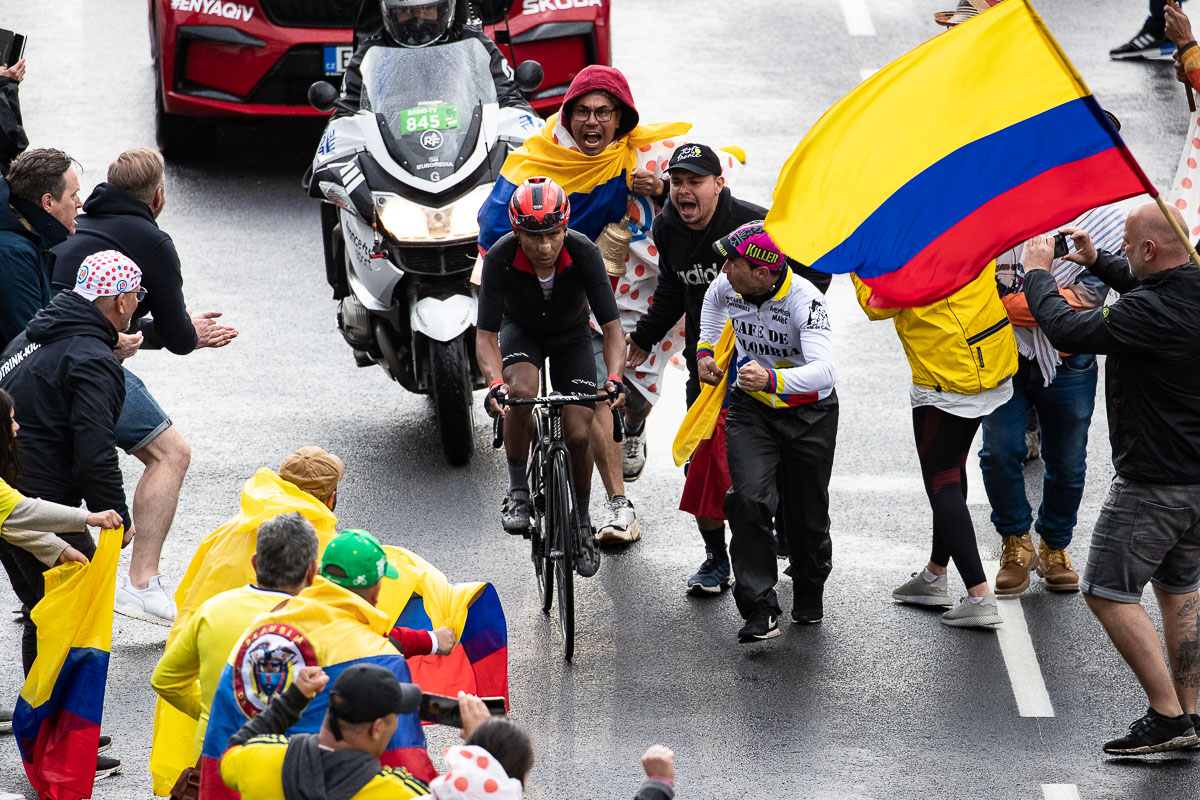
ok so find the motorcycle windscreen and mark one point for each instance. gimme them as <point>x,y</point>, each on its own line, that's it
<point>428,102</point>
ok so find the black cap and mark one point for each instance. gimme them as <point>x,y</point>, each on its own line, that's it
<point>697,158</point>
<point>367,692</point>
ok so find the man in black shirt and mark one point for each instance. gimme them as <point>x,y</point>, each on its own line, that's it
<point>121,215</point>
<point>1149,526</point>
<point>537,285</point>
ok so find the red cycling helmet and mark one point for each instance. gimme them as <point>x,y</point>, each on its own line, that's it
<point>538,205</point>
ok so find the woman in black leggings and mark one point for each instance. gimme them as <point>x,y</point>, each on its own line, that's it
<point>962,353</point>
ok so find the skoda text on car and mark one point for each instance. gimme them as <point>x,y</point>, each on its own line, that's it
<point>217,60</point>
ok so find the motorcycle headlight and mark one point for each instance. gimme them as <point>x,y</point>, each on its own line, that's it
<point>406,221</point>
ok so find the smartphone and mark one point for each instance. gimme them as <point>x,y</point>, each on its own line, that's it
<point>442,710</point>
<point>1061,245</point>
<point>12,47</point>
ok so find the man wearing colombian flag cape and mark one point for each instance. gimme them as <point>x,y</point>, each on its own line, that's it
<point>613,170</point>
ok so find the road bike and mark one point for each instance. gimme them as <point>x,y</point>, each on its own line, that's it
<point>553,533</point>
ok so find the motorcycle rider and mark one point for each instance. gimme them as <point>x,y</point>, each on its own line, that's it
<point>421,23</point>
<point>538,282</point>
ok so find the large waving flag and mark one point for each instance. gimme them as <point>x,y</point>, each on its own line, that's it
<point>978,139</point>
<point>597,186</point>
<point>424,599</point>
<point>57,719</point>
<point>222,562</point>
<point>324,625</point>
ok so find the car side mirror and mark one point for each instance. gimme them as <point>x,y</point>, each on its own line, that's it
<point>529,75</point>
<point>322,96</point>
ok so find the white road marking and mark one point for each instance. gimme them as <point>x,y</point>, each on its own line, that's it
<point>1020,659</point>
<point>1060,791</point>
<point>858,18</point>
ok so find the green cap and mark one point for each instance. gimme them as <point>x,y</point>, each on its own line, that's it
<point>358,555</point>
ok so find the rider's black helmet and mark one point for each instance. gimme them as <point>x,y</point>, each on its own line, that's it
<point>416,23</point>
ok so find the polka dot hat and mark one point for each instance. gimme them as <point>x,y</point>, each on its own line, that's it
<point>105,274</point>
<point>472,774</point>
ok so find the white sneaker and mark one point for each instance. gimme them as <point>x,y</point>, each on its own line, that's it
<point>633,455</point>
<point>11,796</point>
<point>152,604</point>
<point>619,524</point>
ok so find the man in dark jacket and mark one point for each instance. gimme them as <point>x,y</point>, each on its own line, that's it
<point>13,140</point>
<point>421,23</point>
<point>120,215</point>
<point>701,211</point>
<point>38,204</point>
<point>1149,525</point>
<point>67,389</point>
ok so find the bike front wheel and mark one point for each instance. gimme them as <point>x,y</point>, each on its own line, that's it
<point>561,531</point>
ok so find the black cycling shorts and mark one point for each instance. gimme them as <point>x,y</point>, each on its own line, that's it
<point>572,367</point>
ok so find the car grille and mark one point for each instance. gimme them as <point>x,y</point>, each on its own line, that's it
<point>447,260</point>
<point>286,84</point>
<point>311,13</point>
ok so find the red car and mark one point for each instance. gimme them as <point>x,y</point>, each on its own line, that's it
<point>242,59</point>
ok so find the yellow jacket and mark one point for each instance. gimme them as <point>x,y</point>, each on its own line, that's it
<point>963,344</point>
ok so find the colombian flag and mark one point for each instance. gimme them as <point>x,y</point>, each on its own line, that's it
<point>57,719</point>
<point>597,186</point>
<point>971,143</point>
<point>324,625</point>
<point>222,562</point>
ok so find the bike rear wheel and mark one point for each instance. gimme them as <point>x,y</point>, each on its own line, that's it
<point>561,510</point>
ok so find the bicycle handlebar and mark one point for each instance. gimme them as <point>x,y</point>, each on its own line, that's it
<point>556,400</point>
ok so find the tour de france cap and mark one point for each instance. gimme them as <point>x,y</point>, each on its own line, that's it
<point>357,555</point>
<point>367,692</point>
<point>313,470</point>
<point>752,243</point>
<point>697,158</point>
<point>105,274</point>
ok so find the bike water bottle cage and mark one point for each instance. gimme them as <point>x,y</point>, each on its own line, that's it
<point>538,205</point>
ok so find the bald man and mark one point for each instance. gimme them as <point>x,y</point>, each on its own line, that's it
<point>1149,525</point>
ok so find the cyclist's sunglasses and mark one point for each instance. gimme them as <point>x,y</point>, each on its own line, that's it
<point>548,222</point>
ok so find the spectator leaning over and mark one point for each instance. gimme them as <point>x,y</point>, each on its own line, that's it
<point>782,425</point>
<point>1061,389</point>
<point>13,140</point>
<point>494,760</point>
<point>67,390</point>
<point>962,354</point>
<point>120,214</point>
<point>284,564</point>
<point>1149,525</point>
<point>342,760</point>
<point>38,204</point>
<point>701,211</point>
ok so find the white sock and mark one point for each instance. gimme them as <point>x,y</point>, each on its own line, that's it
<point>928,576</point>
<point>975,599</point>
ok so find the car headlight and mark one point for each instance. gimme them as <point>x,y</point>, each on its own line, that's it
<point>405,221</point>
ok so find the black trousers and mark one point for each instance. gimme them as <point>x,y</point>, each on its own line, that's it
<point>780,460</point>
<point>25,574</point>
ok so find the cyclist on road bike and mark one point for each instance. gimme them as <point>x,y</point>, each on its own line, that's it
<point>537,285</point>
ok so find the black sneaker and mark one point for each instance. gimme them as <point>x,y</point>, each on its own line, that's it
<point>587,551</point>
<point>1146,44</point>
<point>761,625</point>
<point>1196,725</point>
<point>105,743</point>
<point>808,613</point>
<point>106,766</point>
<point>514,511</point>
<point>1154,733</point>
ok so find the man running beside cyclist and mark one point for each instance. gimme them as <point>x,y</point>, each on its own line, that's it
<point>538,283</point>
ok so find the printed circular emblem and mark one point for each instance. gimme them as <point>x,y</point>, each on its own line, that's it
<point>431,140</point>
<point>81,277</point>
<point>265,663</point>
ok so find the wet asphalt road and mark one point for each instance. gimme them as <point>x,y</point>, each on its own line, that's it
<point>880,701</point>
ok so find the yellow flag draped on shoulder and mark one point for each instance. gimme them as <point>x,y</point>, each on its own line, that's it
<point>701,418</point>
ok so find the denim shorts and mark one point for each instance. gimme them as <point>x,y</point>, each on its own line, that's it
<point>1145,532</point>
<point>142,418</point>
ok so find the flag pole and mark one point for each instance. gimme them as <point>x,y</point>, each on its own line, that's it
<point>1179,231</point>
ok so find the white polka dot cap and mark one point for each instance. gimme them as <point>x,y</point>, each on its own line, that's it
<point>105,274</point>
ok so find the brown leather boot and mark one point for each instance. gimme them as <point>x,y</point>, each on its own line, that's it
<point>1016,560</point>
<point>1055,567</point>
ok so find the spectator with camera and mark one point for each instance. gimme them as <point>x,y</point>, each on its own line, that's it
<point>13,140</point>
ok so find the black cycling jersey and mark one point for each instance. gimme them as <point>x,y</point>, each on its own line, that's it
<point>510,289</point>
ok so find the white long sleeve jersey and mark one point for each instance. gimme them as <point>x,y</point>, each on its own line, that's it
<point>788,335</point>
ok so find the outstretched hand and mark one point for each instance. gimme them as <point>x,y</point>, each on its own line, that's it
<point>659,762</point>
<point>210,333</point>
<point>311,681</point>
<point>473,712</point>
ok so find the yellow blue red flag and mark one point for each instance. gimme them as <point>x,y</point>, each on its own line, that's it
<point>57,718</point>
<point>967,145</point>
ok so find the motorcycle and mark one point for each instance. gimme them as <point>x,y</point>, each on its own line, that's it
<point>401,182</point>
